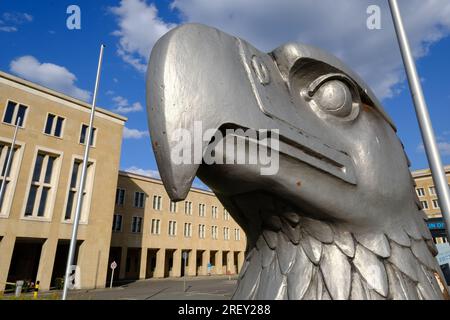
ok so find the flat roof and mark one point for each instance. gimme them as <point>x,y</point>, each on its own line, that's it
<point>427,171</point>
<point>158,181</point>
<point>59,95</point>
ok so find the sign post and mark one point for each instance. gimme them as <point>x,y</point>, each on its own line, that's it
<point>113,267</point>
<point>184,275</point>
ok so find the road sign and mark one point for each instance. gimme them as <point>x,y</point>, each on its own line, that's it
<point>113,266</point>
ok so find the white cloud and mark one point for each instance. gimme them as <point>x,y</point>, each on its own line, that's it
<point>8,29</point>
<point>336,26</point>
<point>144,172</point>
<point>139,28</point>
<point>123,106</point>
<point>443,146</point>
<point>10,20</point>
<point>134,133</point>
<point>48,74</point>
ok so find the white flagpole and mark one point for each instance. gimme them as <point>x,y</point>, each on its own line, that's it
<point>8,161</point>
<point>76,220</point>
<point>423,117</point>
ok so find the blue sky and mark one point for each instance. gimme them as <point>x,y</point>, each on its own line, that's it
<point>36,44</point>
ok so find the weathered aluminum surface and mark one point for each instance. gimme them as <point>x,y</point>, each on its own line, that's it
<point>340,219</point>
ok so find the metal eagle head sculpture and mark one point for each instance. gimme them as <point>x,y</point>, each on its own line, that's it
<point>339,218</point>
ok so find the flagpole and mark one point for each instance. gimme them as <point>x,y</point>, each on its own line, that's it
<point>423,117</point>
<point>76,220</point>
<point>8,161</point>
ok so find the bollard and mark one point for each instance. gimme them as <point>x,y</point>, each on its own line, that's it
<point>19,285</point>
<point>36,290</point>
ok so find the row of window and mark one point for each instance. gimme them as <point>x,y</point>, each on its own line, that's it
<point>435,204</point>
<point>431,190</point>
<point>139,202</point>
<point>421,191</point>
<point>42,186</point>
<point>15,113</point>
<point>136,227</point>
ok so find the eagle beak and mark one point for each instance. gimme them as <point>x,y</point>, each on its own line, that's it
<point>181,87</point>
<point>201,80</point>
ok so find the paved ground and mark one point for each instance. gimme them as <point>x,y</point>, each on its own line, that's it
<point>198,288</point>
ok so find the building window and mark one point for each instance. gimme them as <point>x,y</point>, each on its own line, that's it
<point>188,230</point>
<point>435,204</point>
<point>9,176</point>
<point>84,132</point>
<point>237,234</point>
<point>156,226</point>
<point>214,232</point>
<point>14,112</point>
<point>188,208</point>
<point>420,192</point>
<point>201,209</point>
<point>424,204</point>
<point>226,233</point>
<point>139,199</point>
<point>432,190</point>
<point>136,224</point>
<point>42,185</point>
<point>438,240</point>
<point>214,212</point>
<point>201,231</point>
<point>120,196</point>
<point>74,187</point>
<point>54,125</point>
<point>173,206</point>
<point>172,228</point>
<point>157,202</point>
<point>117,223</point>
<point>226,214</point>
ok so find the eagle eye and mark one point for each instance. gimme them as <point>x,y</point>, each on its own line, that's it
<point>333,94</point>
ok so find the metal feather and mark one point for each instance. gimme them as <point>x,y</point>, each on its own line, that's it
<point>375,242</point>
<point>318,229</point>
<point>312,247</point>
<point>344,240</point>
<point>395,288</point>
<point>371,269</point>
<point>293,233</point>
<point>272,222</point>
<point>248,284</point>
<point>267,256</point>
<point>286,253</point>
<point>316,286</point>
<point>292,217</point>
<point>428,285</point>
<point>336,271</point>
<point>404,260</point>
<point>399,236</point>
<point>358,292</point>
<point>422,252</point>
<point>271,238</point>
<point>299,278</point>
<point>411,228</point>
<point>408,286</point>
<point>273,285</point>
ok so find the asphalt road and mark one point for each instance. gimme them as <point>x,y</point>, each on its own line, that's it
<point>198,288</point>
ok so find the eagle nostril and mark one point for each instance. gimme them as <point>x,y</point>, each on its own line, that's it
<point>334,97</point>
